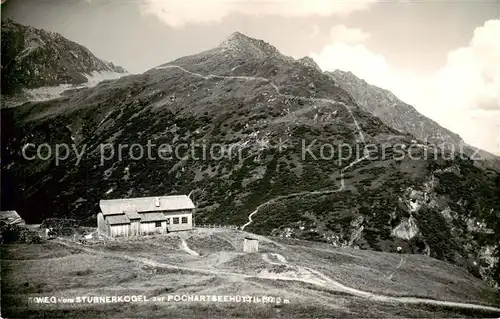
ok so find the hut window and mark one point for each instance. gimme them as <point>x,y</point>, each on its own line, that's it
<point>157,224</point>
<point>175,220</point>
<point>184,220</point>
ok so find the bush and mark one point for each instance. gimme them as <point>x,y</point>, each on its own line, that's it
<point>9,233</point>
<point>438,236</point>
<point>15,234</point>
<point>60,226</point>
<point>59,223</point>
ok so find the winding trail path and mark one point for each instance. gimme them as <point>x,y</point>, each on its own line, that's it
<point>328,282</point>
<point>277,89</point>
<point>376,297</point>
<point>305,193</point>
<point>401,263</point>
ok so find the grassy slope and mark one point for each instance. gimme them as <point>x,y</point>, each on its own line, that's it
<point>51,269</point>
<point>171,106</point>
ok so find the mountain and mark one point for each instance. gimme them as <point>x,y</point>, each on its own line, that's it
<point>262,140</point>
<point>403,117</point>
<point>307,61</point>
<point>392,111</point>
<point>238,44</point>
<point>38,63</point>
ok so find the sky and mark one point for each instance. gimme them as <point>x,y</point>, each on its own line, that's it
<point>442,57</point>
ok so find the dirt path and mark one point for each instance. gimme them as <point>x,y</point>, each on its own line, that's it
<point>306,193</point>
<point>376,297</point>
<point>332,282</point>
<point>401,263</point>
<point>325,281</point>
<point>276,88</point>
<point>405,300</point>
<point>184,246</point>
<point>145,261</point>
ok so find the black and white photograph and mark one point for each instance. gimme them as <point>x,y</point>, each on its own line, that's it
<point>250,159</point>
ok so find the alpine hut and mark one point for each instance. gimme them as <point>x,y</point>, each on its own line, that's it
<point>145,215</point>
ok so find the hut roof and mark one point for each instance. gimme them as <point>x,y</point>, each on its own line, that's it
<point>145,204</point>
<point>152,217</point>
<point>118,219</point>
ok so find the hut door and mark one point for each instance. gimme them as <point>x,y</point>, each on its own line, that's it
<point>134,228</point>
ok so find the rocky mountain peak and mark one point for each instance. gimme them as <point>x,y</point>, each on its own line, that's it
<point>239,36</point>
<point>239,39</point>
<point>309,62</point>
<point>240,43</point>
<point>38,59</point>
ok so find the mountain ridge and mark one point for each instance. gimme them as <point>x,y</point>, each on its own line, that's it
<point>252,100</point>
<point>405,118</point>
<point>34,58</point>
<point>381,102</point>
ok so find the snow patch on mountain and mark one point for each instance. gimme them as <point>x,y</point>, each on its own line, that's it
<point>96,77</point>
<point>39,65</point>
<point>52,92</point>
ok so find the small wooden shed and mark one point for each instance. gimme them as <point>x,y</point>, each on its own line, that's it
<point>250,245</point>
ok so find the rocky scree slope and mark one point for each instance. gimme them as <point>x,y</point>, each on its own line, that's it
<point>34,58</point>
<point>446,208</point>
